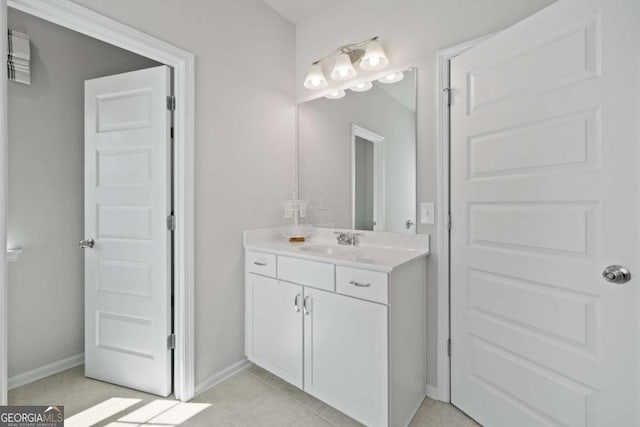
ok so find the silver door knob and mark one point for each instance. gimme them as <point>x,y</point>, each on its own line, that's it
<point>616,274</point>
<point>87,243</point>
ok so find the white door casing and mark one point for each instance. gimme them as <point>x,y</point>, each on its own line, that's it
<point>127,200</point>
<point>85,21</point>
<point>3,209</point>
<point>544,155</point>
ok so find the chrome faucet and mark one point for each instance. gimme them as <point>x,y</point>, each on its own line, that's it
<point>347,238</point>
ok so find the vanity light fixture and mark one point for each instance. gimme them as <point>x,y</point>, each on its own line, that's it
<point>336,95</point>
<point>362,87</point>
<point>315,78</point>
<point>392,78</point>
<point>374,57</point>
<point>343,68</point>
<point>369,54</point>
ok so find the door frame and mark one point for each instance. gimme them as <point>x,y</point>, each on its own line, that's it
<point>443,391</point>
<point>379,188</point>
<point>85,21</point>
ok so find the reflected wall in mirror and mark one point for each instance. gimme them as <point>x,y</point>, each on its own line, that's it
<point>357,157</point>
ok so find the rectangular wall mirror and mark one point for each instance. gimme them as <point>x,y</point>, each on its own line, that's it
<point>357,157</point>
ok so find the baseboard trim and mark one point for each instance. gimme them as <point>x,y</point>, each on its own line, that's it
<point>222,375</point>
<point>415,411</point>
<point>45,371</point>
<point>432,392</point>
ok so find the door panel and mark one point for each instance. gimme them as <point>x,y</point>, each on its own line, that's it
<point>127,200</point>
<point>354,381</point>
<point>275,330</point>
<point>544,151</point>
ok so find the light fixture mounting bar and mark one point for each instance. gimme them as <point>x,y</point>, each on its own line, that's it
<point>354,50</point>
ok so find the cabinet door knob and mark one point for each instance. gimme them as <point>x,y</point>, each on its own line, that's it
<point>260,263</point>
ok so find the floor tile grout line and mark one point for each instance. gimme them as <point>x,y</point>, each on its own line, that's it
<point>262,380</point>
<point>327,420</point>
<point>297,401</point>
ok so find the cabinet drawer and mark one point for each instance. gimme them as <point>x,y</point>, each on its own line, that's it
<point>261,263</point>
<point>365,284</point>
<point>308,273</point>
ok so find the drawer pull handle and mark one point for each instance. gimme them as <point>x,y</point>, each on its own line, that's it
<point>295,303</point>
<point>359,284</point>
<point>260,263</point>
<point>305,306</point>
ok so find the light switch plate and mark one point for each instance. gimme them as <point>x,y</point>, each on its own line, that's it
<point>427,213</point>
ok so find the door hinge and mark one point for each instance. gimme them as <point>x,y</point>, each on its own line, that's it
<point>171,222</point>
<point>447,92</point>
<point>449,222</point>
<point>171,342</point>
<point>449,348</point>
<point>171,103</point>
<point>171,132</point>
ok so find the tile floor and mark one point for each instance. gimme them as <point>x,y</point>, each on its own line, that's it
<point>252,397</point>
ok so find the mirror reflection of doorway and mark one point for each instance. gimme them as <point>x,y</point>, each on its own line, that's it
<point>364,175</point>
<point>368,177</point>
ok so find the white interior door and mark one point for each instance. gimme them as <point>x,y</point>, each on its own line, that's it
<point>127,200</point>
<point>544,186</point>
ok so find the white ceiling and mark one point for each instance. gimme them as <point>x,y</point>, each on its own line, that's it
<point>297,11</point>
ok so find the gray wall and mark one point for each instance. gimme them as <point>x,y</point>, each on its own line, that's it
<point>413,31</point>
<point>245,144</point>
<point>46,164</point>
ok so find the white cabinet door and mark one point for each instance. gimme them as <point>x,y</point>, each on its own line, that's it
<point>274,327</point>
<point>345,349</point>
<point>544,180</point>
<point>127,200</point>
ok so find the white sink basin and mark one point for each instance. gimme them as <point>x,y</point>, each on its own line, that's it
<point>334,250</point>
<point>364,254</point>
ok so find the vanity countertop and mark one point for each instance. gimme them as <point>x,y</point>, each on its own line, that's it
<point>378,251</point>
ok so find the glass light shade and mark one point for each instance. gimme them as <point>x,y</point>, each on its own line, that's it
<point>392,78</point>
<point>315,78</point>
<point>362,87</point>
<point>343,68</point>
<point>336,95</point>
<point>374,58</point>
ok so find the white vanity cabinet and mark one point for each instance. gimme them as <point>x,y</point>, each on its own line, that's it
<point>352,337</point>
